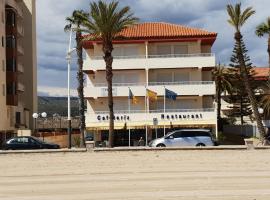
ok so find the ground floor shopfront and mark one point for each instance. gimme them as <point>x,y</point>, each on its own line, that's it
<point>129,134</point>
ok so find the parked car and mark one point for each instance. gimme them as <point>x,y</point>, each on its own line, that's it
<point>89,138</point>
<point>27,142</point>
<point>184,137</point>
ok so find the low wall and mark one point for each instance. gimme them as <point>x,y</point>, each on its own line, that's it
<point>245,130</point>
<point>60,138</point>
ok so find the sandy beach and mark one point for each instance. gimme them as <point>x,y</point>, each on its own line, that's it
<point>215,174</point>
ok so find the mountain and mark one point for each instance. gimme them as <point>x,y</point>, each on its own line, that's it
<point>52,105</point>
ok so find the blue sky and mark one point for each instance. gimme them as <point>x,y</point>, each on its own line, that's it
<point>52,41</point>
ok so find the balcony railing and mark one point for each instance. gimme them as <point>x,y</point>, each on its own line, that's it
<point>155,83</point>
<point>158,56</point>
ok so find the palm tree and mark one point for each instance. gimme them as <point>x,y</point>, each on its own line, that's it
<point>264,29</point>
<point>265,101</point>
<point>222,78</point>
<point>237,19</point>
<point>75,22</point>
<point>106,21</point>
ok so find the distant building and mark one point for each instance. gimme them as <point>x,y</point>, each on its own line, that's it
<point>18,84</point>
<point>149,58</point>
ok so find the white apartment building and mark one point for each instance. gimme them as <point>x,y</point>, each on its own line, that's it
<point>152,56</point>
<point>18,86</point>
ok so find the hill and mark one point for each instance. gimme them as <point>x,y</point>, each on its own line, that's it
<point>52,105</point>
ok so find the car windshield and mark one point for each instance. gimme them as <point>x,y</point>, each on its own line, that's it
<point>168,134</point>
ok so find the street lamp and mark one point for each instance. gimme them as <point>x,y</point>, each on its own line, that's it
<point>37,115</point>
<point>260,110</point>
<point>68,57</point>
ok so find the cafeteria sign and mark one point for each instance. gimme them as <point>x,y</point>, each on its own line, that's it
<point>104,92</point>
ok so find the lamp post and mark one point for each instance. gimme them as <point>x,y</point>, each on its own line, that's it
<point>68,57</point>
<point>36,116</point>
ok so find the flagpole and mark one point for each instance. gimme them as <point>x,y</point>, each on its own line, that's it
<point>164,110</point>
<point>146,111</point>
<point>129,115</point>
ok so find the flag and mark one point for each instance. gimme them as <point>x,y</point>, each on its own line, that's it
<point>170,94</point>
<point>134,100</point>
<point>151,95</point>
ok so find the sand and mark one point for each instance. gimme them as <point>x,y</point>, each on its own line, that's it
<point>181,175</point>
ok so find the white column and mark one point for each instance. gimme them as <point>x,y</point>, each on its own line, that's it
<point>146,49</point>
<point>129,115</point>
<point>164,129</point>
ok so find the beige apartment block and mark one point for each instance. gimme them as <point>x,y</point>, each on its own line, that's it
<point>152,56</point>
<point>18,71</point>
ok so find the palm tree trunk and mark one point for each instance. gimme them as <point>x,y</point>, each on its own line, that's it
<point>107,49</point>
<point>268,50</point>
<point>218,100</point>
<point>253,101</point>
<point>80,79</point>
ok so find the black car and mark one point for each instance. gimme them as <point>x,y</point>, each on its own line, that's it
<point>27,142</point>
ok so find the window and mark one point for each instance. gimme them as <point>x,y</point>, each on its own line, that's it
<point>177,134</point>
<point>3,17</point>
<point>180,49</point>
<point>3,66</point>
<point>3,44</point>
<point>11,18</point>
<point>163,49</point>
<point>11,41</point>
<point>4,89</point>
<point>11,65</point>
<point>18,117</point>
<point>11,88</point>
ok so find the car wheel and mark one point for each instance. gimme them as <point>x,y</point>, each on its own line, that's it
<point>200,145</point>
<point>161,145</point>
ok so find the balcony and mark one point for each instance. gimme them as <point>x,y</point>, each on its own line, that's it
<point>20,29</point>
<point>20,68</point>
<point>12,99</point>
<point>20,87</point>
<point>138,89</point>
<point>20,49</point>
<point>153,61</point>
<point>204,116</point>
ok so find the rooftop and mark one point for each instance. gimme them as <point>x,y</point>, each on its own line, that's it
<point>161,30</point>
<point>261,73</point>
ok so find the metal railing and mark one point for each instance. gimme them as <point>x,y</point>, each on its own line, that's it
<point>156,83</point>
<point>156,111</point>
<point>158,56</point>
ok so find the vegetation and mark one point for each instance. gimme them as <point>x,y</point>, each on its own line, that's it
<point>237,19</point>
<point>74,23</point>
<point>264,29</point>
<point>222,78</point>
<point>105,22</point>
<point>239,98</point>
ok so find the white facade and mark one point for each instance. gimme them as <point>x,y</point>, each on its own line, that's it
<point>182,67</point>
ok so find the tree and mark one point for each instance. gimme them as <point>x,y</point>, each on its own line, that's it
<point>264,29</point>
<point>75,22</point>
<point>222,78</point>
<point>105,22</point>
<point>237,19</point>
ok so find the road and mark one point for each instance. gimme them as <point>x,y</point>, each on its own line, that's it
<point>166,175</point>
